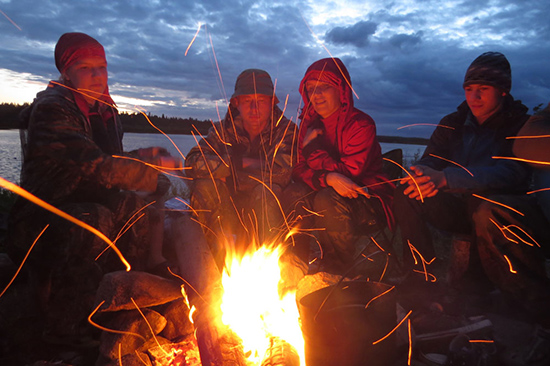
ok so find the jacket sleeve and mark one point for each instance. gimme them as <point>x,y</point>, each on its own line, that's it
<point>445,135</point>
<point>59,138</point>
<point>503,175</point>
<point>210,158</point>
<point>357,151</point>
<point>537,148</point>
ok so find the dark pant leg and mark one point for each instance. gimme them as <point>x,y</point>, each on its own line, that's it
<point>217,213</point>
<point>344,220</point>
<point>444,211</point>
<point>263,210</point>
<point>75,272</point>
<point>512,263</point>
<point>297,201</point>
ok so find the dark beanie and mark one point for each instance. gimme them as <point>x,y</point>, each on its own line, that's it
<point>72,47</point>
<point>490,68</point>
<point>254,81</point>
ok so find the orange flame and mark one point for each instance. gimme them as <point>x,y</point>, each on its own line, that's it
<point>250,286</point>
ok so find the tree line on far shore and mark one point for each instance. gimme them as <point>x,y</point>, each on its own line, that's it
<point>131,122</point>
<point>136,122</point>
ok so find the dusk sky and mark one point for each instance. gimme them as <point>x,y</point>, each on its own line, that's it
<point>407,58</point>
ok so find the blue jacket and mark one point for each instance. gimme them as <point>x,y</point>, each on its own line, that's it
<point>460,139</point>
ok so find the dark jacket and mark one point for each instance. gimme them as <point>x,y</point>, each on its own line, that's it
<point>219,155</point>
<point>537,147</point>
<point>476,148</point>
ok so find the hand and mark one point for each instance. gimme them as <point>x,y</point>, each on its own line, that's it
<point>152,152</point>
<point>252,163</point>
<point>428,182</point>
<point>311,134</point>
<point>344,186</point>
<point>170,162</point>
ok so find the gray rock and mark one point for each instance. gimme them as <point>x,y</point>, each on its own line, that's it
<point>178,326</point>
<point>118,289</point>
<point>130,322</point>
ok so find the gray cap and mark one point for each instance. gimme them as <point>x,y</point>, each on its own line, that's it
<point>254,81</point>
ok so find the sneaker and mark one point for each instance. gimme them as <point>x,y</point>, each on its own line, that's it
<point>445,326</point>
<point>535,353</point>
<point>462,352</point>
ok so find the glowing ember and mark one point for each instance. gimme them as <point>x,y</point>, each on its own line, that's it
<point>252,307</point>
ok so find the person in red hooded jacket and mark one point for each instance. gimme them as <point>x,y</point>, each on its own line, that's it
<point>340,163</point>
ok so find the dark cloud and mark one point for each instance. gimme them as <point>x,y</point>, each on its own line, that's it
<point>406,40</point>
<point>356,35</point>
<point>406,59</point>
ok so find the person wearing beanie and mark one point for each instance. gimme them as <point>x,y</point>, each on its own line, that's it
<point>70,136</point>
<point>339,175</point>
<point>240,168</point>
<point>458,169</point>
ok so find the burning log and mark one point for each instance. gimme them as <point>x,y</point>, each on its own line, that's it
<point>185,353</point>
<point>281,354</point>
<point>219,349</point>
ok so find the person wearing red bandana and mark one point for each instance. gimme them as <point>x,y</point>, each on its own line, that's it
<point>71,144</point>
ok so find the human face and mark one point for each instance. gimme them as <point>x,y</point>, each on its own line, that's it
<point>324,97</point>
<point>483,100</point>
<point>255,110</point>
<point>88,75</point>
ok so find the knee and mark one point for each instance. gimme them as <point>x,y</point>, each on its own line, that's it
<point>205,185</point>
<point>399,197</point>
<point>325,200</point>
<point>295,196</point>
<point>483,214</point>
<point>206,191</point>
<point>261,192</point>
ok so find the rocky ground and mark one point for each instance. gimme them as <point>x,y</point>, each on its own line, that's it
<point>435,306</point>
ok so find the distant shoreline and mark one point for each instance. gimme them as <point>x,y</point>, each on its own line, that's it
<point>381,138</point>
<point>403,140</point>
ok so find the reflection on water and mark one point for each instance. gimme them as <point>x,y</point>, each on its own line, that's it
<point>10,164</point>
<point>10,151</point>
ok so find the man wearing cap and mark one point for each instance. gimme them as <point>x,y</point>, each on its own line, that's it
<point>458,163</point>
<point>241,167</point>
<point>71,133</point>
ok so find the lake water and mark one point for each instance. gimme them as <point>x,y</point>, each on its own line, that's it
<point>10,152</point>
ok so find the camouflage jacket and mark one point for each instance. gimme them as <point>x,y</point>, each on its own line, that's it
<point>62,162</point>
<point>219,155</point>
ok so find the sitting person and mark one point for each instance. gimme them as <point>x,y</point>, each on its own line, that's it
<point>458,162</point>
<point>73,133</point>
<point>242,166</point>
<point>339,171</point>
<point>513,240</point>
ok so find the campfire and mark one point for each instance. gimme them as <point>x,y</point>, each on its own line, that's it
<point>253,307</point>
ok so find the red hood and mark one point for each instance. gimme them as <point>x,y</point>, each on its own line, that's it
<point>331,71</point>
